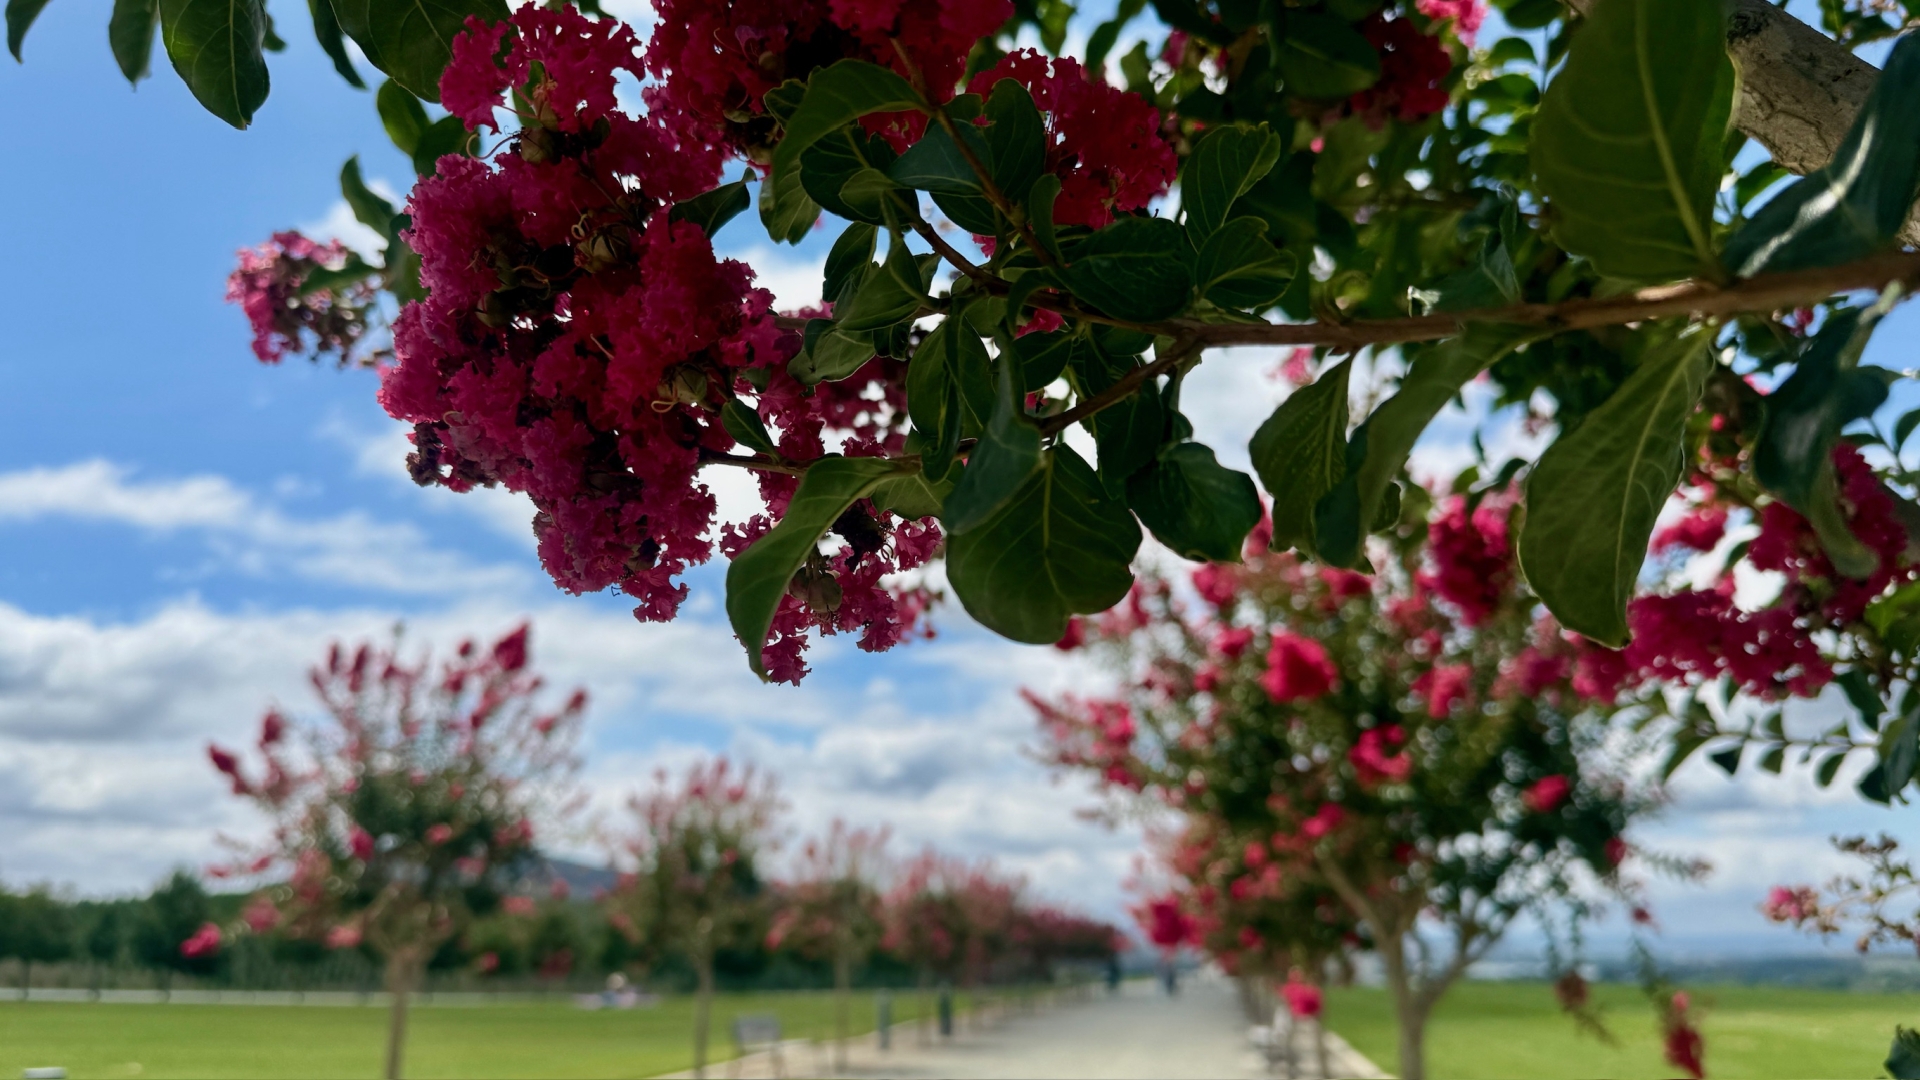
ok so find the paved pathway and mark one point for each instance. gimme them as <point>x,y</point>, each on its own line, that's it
<point>1139,1033</point>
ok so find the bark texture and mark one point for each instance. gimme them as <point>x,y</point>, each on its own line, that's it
<point>1799,89</point>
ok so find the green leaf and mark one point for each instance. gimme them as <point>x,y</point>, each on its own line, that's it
<point>1899,752</point>
<point>368,207</point>
<point>355,17</point>
<point>1225,164</point>
<point>1489,282</point>
<point>1829,767</point>
<point>215,45</point>
<point>1436,376</point>
<point>130,32</point>
<point>760,575</point>
<point>1059,547</point>
<point>1627,142</point>
<point>1773,759</point>
<point>1323,57</point>
<point>936,375</point>
<point>1239,267</point>
<point>830,355</point>
<point>1856,205</point>
<point>1593,497</point>
<point>1793,452</point>
<point>1855,683</point>
<point>837,95</point>
<point>1044,356</point>
<point>20,16</point>
<point>885,298</point>
<point>935,163</point>
<point>1300,453</point>
<point>746,427</point>
<point>326,30</point>
<point>412,40</point>
<point>785,208</point>
<point>1040,199</point>
<point>848,261</point>
<point>1195,505</point>
<point>1728,759</point>
<point>1903,1058</point>
<point>715,208</point>
<point>402,115</point>
<point>1017,141</point>
<point>447,135</point>
<point>1008,453</point>
<point>913,497</point>
<point>1134,268</point>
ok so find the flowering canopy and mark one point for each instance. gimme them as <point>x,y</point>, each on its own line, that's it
<point>411,807</point>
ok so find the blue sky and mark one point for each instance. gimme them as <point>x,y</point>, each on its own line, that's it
<point>183,529</point>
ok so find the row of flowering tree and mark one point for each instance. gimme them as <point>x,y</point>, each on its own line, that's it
<point>1404,763</point>
<point>405,815</point>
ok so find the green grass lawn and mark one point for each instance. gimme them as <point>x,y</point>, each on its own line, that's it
<point>1492,1031</point>
<point>530,1040</point>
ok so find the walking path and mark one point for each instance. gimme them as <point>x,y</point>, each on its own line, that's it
<point>1140,1032</point>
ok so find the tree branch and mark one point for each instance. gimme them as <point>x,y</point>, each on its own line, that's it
<point>1182,349</point>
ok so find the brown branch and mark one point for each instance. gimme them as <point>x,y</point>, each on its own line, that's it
<point>1770,292</point>
<point>960,262</point>
<point>710,457</point>
<point>1182,349</point>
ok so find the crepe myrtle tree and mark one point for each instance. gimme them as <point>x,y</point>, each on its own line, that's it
<point>831,907</point>
<point>1409,760</point>
<point>694,878</point>
<point>407,807</point>
<point>1573,213</point>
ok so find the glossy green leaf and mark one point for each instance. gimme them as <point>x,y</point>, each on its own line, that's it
<point>402,115</point>
<point>130,31</point>
<point>1007,454</point>
<point>848,260</point>
<point>714,208</point>
<point>1040,200</point>
<point>934,401</point>
<point>913,497</point>
<point>760,575</point>
<point>837,95</point>
<point>747,428</point>
<point>1856,205</point>
<point>1489,282</point>
<point>1225,164</point>
<point>885,298</point>
<point>368,207</point>
<point>355,17</point>
<point>1324,57</point>
<point>445,136</point>
<point>20,16</point>
<point>1627,142</point>
<point>1017,141</point>
<point>1059,547</point>
<point>1195,505</point>
<point>1900,752</point>
<point>412,40</point>
<point>786,209</point>
<point>216,45</point>
<point>1436,376</point>
<point>333,42</point>
<point>1135,268</point>
<point>1594,496</point>
<point>936,164</point>
<point>1239,267</point>
<point>1793,453</point>
<point>1043,357</point>
<point>830,356</point>
<point>1300,453</point>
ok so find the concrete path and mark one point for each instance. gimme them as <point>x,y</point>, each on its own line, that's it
<point>1201,1033</point>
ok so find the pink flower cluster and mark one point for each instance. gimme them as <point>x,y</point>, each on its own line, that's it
<point>1375,757</point>
<point>1413,74</point>
<point>1298,669</point>
<point>1470,557</point>
<point>1102,142</point>
<point>716,61</point>
<point>270,286</point>
<point>1467,15</point>
<point>578,346</point>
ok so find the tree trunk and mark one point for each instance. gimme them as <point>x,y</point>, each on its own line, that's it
<point>842,1003</point>
<point>925,1020</point>
<point>402,970</point>
<point>1410,1009</point>
<point>702,1010</point>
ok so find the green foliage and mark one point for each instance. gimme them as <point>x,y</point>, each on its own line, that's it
<point>326,31</point>
<point>412,40</point>
<point>1321,56</point>
<point>1300,453</point>
<point>1059,546</point>
<point>1627,142</point>
<point>1008,453</point>
<point>1136,268</point>
<point>20,16</point>
<point>130,33</point>
<point>837,95</point>
<point>1856,205</point>
<point>1226,163</point>
<point>1903,1059</point>
<point>1194,505</point>
<point>1593,498</point>
<point>715,208</point>
<point>216,46</point>
<point>759,576</point>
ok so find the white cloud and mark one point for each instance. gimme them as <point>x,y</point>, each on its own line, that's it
<point>793,279</point>
<point>245,534</point>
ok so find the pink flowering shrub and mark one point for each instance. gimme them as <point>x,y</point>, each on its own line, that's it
<point>1350,756</point>
<point>290,313</point>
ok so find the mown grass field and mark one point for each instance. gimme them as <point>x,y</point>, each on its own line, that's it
<point>481,1041</point>
<point>1497,1031</point>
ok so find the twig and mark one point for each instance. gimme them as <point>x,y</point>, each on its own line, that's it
<point>708,457</point>
<point>1181,349</point>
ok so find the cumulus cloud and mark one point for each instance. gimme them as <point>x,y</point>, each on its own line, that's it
<point>246,534</point>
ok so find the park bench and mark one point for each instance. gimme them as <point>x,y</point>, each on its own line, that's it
<point>760,1033</point>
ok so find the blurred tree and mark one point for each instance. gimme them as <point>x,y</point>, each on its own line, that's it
<point>832,908</point>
